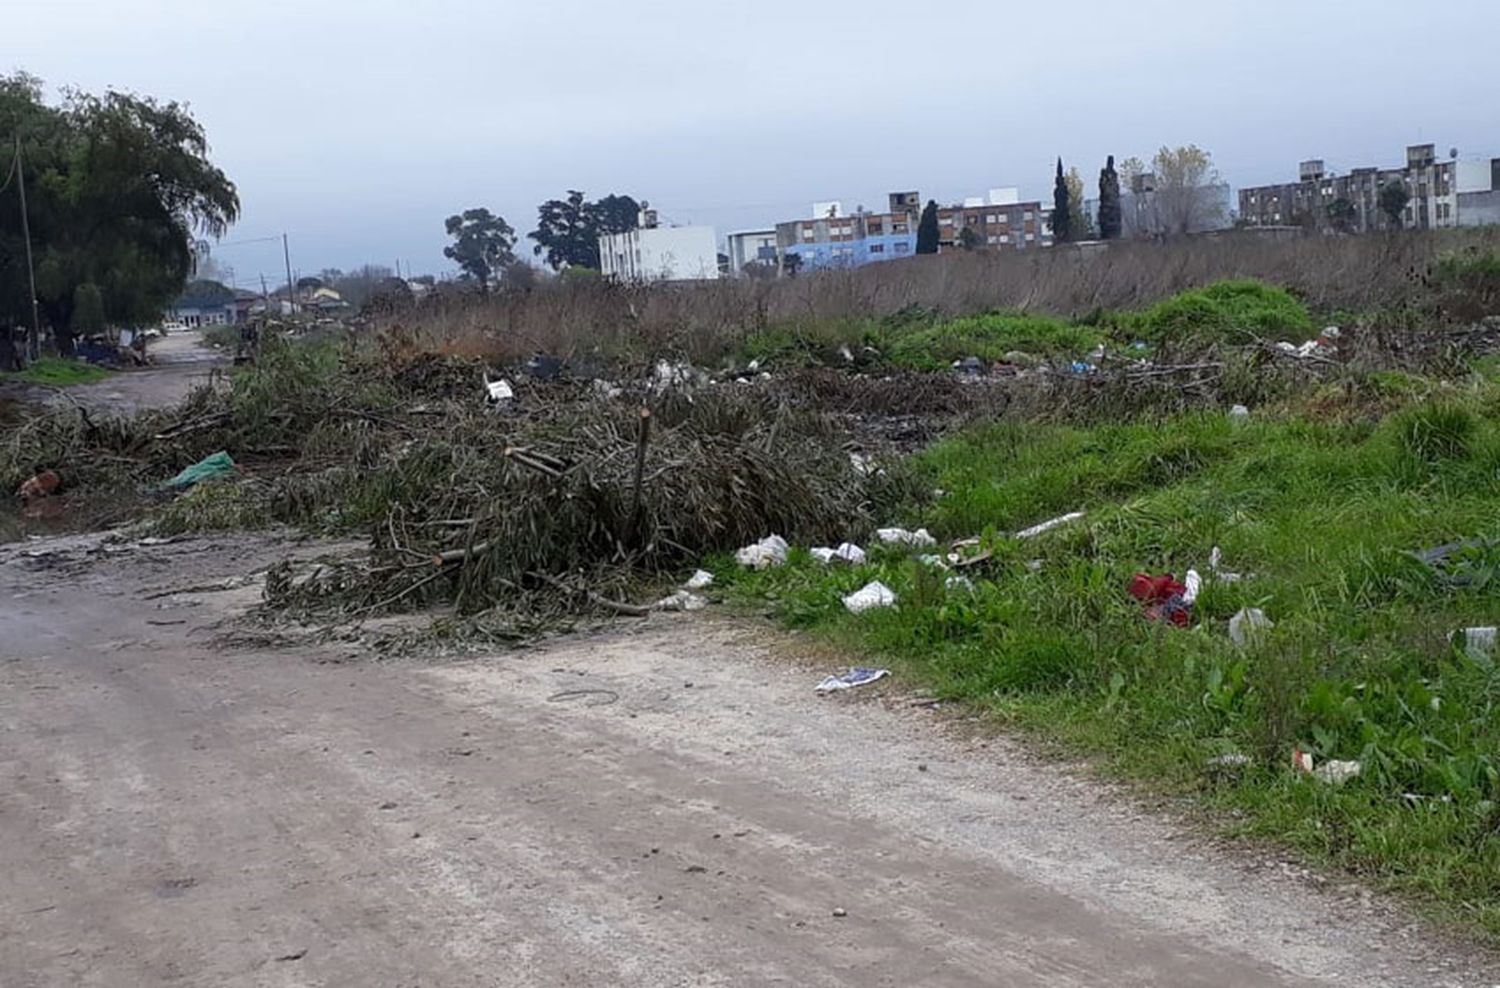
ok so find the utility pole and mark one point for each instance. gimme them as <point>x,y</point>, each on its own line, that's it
<point>36,321</point>
<point>291,292</point>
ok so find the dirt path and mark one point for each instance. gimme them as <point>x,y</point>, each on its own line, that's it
<point>667,804</point>
<point>180,363</point>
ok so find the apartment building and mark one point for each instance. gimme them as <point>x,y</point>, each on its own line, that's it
<point>659,253</point>
<point>833,238</point>
<point>830,238</point>
<point>1439,191</point>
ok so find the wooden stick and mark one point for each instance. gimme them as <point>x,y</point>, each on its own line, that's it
<point>643,436</point>
<point>619,607</point>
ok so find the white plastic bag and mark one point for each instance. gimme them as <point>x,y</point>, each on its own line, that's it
<point>871,595</point>
<point>769,551</point>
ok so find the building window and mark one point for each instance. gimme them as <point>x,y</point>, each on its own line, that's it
<point>903,247</point>
<point>877,248</point>
<point>973,219</point>
<point>1026,215</point>
<point>946,221</point>
<point>873,227</point>
<point>1005,238</point>
<point>992,218</point>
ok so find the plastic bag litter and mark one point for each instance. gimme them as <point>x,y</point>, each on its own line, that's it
<point>681,600</point>
<point>1192,585</point>
<point>1220,574</point>
<point>919,539</point>
<point>847,552</point>
<point>702,578</point>
<point>218,465</point>
<point>1479,643</point>
<point>857,676</point>
<point>1334,772</point>
<point>769,551</point>
<point>498,391</point>
<point>959,583</point>
<point>1246,624</point>
<point>1239,413</point>
<point>935,561</point>
<point>870,596</point>
<point>1049,524</point>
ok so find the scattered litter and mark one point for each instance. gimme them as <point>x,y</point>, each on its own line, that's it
<point>1302,760</point>
<point>857,676</point>
<point>1336,773</point>
<point>1192,584</point>
<point>844,352</point>
<point>680,600</point>
<point>1231,760</point>
<point>1479,643</point>
<point>871,595</point>
<point>1048,525</point>
<point>1215,558</point>
<point>969,366</point>
<point>606,389</point>
<point>929,559</point>
<point>702,578</point>
<point>754,365</point>
<point>1162,597</point>
<point>1239,413</point>
<point>959,583</point>
<point>669,376</point>
<point>217,465</point>
<point>543,367</point>
<point>1249,622</point>
<point>769,551</point>
<point>847,552</point>
<point>863,464</point>
<point>920,539</point>
<point>43,484</point>
<point>497,392</point>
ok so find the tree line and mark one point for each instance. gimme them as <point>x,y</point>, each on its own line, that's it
<point>567,236</point>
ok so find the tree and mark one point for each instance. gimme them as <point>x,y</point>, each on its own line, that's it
<point>1186,197</point>
<point>1109,201</point>
<point>568,230</point>
<point>1079,223</point>
<point>481,245</point>
<point>1392,200</point>
<point>1342,216</point>
<point>969,239</point>
<point>791,264</point>
<point>120,193</point>
<point>927,229</point>
<point>1062,215</point>
<point>88,310</point>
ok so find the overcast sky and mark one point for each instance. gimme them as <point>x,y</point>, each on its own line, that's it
<point>358,126</point>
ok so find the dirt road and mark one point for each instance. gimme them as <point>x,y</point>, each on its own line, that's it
<point>180,362</point>
<point>667,804</point>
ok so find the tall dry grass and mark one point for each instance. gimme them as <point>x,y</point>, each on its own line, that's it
<point>703,321</point>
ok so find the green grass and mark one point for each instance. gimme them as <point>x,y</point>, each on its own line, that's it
<point>1322,516</point>
<point>989,337</point>
<point>1233,312</point>
<point>59,372</point>
<point>1226,312</point>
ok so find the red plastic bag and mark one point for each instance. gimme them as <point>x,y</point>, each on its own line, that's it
<point>1162,596</point>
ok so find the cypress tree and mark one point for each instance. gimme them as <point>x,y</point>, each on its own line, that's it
<point>1109,201</point>
<point>927,229</point>
<point>1062,218</point>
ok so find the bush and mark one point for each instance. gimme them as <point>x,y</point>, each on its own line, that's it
<point>1233,312</point>
<point>1437,431</point>
<point>989,337</point>
<point>1468,286</point>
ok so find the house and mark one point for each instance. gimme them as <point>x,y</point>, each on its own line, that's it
<point>205,303</point>
<point>659,253</point>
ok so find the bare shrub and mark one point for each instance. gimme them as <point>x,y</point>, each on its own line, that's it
<point>703,321</point>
